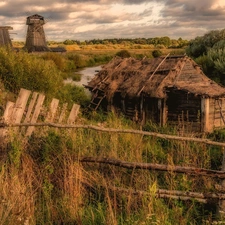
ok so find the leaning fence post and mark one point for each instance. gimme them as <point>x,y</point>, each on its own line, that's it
<point>36,113</point>
<point>6,117</point>
<point>52,110</point>
<point>73,114</point>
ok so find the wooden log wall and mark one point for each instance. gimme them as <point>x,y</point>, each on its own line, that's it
<point>216,113</point>
<point>151,108</point>
<point>184,109</point>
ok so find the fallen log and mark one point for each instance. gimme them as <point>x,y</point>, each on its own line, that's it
<point>154,166</point>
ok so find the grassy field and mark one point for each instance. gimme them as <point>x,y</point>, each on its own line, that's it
<point>43,182</point>
<point>135,50</point>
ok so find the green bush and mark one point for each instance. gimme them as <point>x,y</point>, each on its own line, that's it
<point>58,59</point>
<point>156,53</point>
<point>123,54</point>
<point>23,70</point>
<point>72,93</point>
<point>78,60</point>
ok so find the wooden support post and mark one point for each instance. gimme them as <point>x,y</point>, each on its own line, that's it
<point>206,127</point>
<point>142,110</point>
<point>164,112</point>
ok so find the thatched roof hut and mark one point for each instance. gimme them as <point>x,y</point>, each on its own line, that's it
<point>162,86</point>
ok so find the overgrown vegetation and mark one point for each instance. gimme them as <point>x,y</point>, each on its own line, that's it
<point>41,178</point>
<point>156,53</point>
<point>209,52</point>
<point>44,73</point>
<point>42,181</point>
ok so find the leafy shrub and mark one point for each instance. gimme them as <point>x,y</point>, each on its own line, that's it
<point>78,60</point>
<point>217,56</point>
<point>59,60</point>
<point>206,64</point>
<point>123,54</point>
<point>72,93</point>
<point>22,70</point>
<point>213,63</point>
<point>156,53</point>
<point>76,77</point>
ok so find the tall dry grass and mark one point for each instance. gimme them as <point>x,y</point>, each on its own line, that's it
<point>43,182</point>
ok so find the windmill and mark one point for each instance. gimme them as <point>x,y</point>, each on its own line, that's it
<point>35,40</point>
<point>5,39</point>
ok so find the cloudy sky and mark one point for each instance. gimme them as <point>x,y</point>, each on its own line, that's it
<point>100,19</point>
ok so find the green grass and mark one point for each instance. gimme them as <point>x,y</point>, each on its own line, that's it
<point>58,189</point>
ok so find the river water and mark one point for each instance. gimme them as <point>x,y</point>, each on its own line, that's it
<point>86,75</point>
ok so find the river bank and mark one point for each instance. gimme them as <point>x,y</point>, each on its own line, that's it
<point>86,75</point>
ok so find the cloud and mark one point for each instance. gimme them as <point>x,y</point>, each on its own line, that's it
<point>88,19</point>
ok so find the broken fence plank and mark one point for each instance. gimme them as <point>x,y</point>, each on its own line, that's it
<point>52,110</point>
<point>73,114</point>
<point>30,107</point>
<point>63,113</point>
<point>8,112</point>
<point>19,106</point>
<point>7,117</point>
<point>37,110</point>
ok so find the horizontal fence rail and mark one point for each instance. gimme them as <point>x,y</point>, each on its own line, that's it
<point>174,194</point>
<point>154,166</point>
<point>113,130</point>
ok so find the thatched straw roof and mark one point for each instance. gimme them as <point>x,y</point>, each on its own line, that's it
<point>154,76</point>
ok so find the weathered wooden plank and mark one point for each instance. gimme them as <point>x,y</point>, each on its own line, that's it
<point>52,110</point>
<point>30,107</point>
<point>8,111</point>
<point>63,113</point>
<point>36,113</point>
<point>73,114</point>
<point>7,117</point>
<point>206,126</point>
<point>20,105</point>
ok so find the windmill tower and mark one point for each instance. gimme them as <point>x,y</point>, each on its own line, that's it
<point>5,39</point>
<point>35,40</point>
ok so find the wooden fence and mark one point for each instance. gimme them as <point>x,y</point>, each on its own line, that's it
<point>28,109</point>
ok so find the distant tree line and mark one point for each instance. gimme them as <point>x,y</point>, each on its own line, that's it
<point>209,52</point>
<point>156,41</point>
